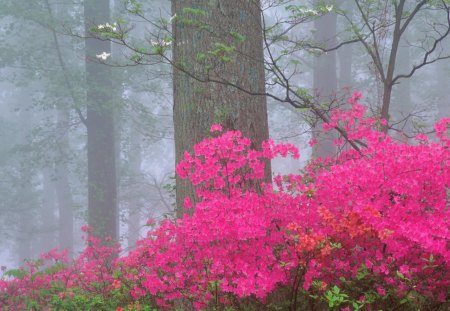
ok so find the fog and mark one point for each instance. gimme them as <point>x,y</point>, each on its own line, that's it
<point>43,94</point>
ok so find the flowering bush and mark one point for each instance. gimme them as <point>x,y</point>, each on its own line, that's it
<point>53,282</point>
<point>369,229</point>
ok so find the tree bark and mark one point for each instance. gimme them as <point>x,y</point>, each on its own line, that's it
<point>199,28</point>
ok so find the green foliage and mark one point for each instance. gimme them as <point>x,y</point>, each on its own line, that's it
<point>222,51</point>
<point>16,273</point>
<point>134,7</point>
<point>303,93</point>
<point>362,272</point>
<point>335,297</point>
<point>237,36</point>
<point>194,11</point>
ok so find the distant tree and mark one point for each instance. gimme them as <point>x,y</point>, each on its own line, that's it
<point>101,152</point>
<point>381,26</point>
<point>325,78</point>
<point>61,172</point>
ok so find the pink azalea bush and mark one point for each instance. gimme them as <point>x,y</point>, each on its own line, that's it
<point>369,229</point>
<point>54,282</point>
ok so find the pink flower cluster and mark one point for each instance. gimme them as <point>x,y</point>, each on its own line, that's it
<point>384,210</point>
<point>379,216</point>
<point>55,275</point>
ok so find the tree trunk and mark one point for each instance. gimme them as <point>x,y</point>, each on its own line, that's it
<point>136,182</point>
<point>47,213</point>
<point>402,94</point>
<point>325,80</point>
<point>199,29</point>
<point>63,191</point>
<point>102,205</point>
<point>345,53</point>
<point>27,201</point>
<point>387,83</point>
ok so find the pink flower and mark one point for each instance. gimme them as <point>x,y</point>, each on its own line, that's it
<point>216,127</point>
<point>187,203</point>
<point>422,137</point>
<point>313,142</point>
<point>381,291</point>
<point>404,269</point>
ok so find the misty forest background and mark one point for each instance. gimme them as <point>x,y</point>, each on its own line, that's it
<point>50,75</point>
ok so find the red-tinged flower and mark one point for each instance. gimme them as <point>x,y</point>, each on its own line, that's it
<point>119,309</point>
<point>116,284</point>
<point>292,226</point>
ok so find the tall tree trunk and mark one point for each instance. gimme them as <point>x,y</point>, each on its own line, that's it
<point>63,191</point>
<point>345,68</point>
<point>345,53</point>
<point>62,185</point>
<point>441,85</point>
<point>102,202</point>
<point>402,93</point>
<point>47,213</point>
<point>26,203</point>
<point>197,105</point>
<point>388,79</point>
<point>136,181</point>
<point>325,79</point>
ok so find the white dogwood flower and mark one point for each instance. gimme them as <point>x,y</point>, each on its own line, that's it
<point>108,27</point>
<point>103,56</point>
<point>162,43</point>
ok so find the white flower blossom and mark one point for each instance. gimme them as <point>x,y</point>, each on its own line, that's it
<point>308,11</point>
<point>103,56</point>
<point>161,43</point>
<point>329,8</point>
<point>108,27</point>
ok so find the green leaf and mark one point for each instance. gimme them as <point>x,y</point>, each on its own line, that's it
<point>194,11</point>
<point>400,275</point>
<point>16,273</point>
<point>237,36</point>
